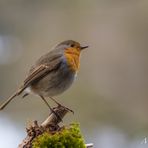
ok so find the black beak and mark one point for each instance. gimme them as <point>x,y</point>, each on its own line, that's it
<point>83,47</point>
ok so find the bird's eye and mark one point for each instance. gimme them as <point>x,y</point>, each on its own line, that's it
<point>72,45</point>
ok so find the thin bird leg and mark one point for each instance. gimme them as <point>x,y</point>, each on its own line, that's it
<point>61,104</point>
<point>55,101</point>
<point>45,101</point>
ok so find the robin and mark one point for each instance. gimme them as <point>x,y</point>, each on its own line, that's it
<point>53,73</point>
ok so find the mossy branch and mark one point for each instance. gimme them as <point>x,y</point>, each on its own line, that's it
<point>50,134</point>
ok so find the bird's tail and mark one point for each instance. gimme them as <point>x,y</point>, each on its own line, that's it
<point>11,98</point>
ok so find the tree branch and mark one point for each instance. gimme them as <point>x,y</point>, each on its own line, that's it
<point>51,124</point>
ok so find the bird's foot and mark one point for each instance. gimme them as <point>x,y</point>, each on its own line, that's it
<point>61,105</point>
<point>56,114</point>
<point>68,109</point>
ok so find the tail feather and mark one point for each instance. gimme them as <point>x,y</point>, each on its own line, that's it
<point>11,98</point>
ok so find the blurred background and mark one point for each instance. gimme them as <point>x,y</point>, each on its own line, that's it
<point>110,95</point>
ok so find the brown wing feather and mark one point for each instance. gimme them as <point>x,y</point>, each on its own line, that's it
<point>41,71</point>
<point>35,73</point>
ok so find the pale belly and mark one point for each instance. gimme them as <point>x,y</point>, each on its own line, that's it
<point>54,83</point>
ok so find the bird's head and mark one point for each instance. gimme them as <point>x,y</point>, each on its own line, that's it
<point>71,46</point>
<point>71,50</point>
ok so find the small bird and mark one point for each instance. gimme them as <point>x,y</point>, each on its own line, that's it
<point>53,73</point>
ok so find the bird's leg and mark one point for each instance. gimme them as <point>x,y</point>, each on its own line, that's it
<point>61,104</point>
<point>45,101</point>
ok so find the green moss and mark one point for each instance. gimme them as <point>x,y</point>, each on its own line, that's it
<point>68,137</point>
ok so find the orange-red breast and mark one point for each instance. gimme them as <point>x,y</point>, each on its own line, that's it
<point>53,73</point>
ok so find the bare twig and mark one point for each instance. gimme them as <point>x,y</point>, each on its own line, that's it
<point>51,123</point>
<point>53,120</point>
